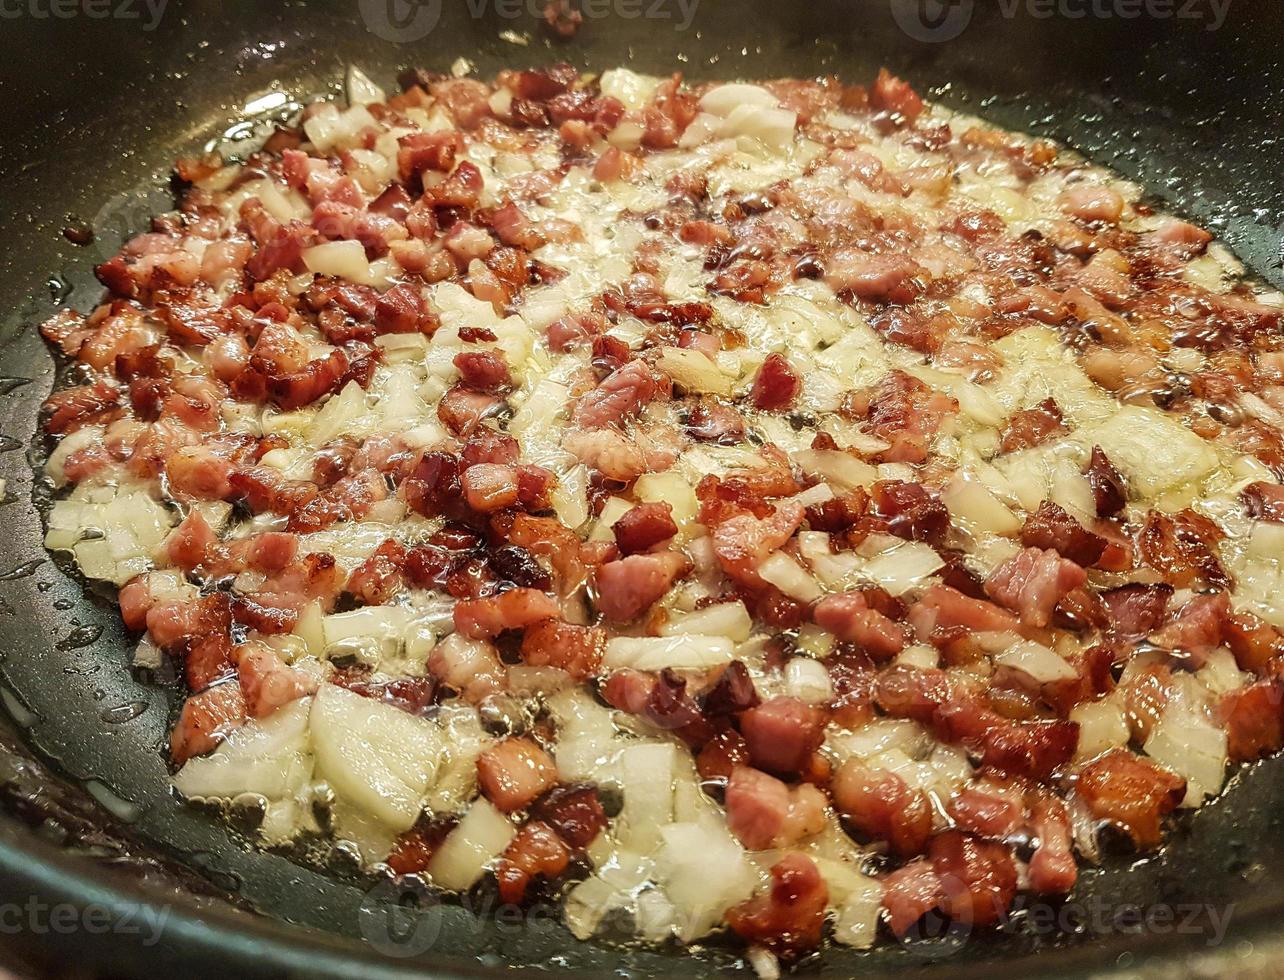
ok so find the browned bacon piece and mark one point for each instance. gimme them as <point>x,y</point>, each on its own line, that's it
<point>1131,793</point>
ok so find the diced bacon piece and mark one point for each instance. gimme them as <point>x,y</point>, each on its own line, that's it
<point>415,848</point>
<point>989,808</point>
<point>978,877</point>
<point>1131,793</point>
<point>879,804</point>
<point>402,309</point>
<point>72,408</point>
<point>782,734</point>
<point>1253,716</point>
<point>909,893</point>
<point>643,527</point>
<point>578,650</point>
<point>463,411</point>
<point>1109,491</point>
<point>266,682</point>
<point>575,812</point>
<point>777,385</point>
<point>849,617</point>
<point>1092,202</point>
<point>1196,628</point>
<point>630,586</point>
<point>511,610</point>
<point>206,720</point>
<point>712,421</point>
<point>376,579</point>
<point>942,607</point>
<point>1033,426</point>
<point>536,851</point>
<point>1264,502</point>
<point>789,917</point>
<point>1032,582</point>
<point>893,95</point>
<point>421,151</point>
<point>624,392</point>
<point>472,669</point>
<point>1136,609</point>
<point>662,700</point>
<point>1052,866</point>
<point>1035,749</point>
<point>903,411</point>
<point>721,755</point>
<point>1185,239</point>
<point>490,486</point>
<point>512,773</point>
<point>1051,528</point>
<point>743,543</point>
<point>485,371</point>
<point>1256,644</point>
<point>763,812</point>
<point>873,277</point>
<point>1182,547</point>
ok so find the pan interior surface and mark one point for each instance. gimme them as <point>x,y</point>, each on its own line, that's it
<point>99,109</point>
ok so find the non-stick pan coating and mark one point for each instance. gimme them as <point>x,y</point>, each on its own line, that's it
<point>95,110</point>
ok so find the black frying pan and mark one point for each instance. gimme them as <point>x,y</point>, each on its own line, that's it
<point>92,114</point>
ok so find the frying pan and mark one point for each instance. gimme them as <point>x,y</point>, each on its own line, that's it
<point>92,114</point>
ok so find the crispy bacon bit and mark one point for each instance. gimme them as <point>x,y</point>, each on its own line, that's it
<point>1182,547</point>
<point>1137,609</point>
<point>1196,628</point>
<point>644,527</point>
<point>630,586</point>
<point>376,579</point>
<point>893,95</point>
<point>1264,502</point>
<point>1254,719</point>
<point>1032,583</point>
<point>1109,491</point>
<point>782,734</point>
<point>763,812</point>
<point>1131,793</point>
<point>712,421</point>
<point>911,511</point>
<point>849,617</point>
<point>1050,527</point>
<point>789,917</point>
<point>577,650</point>
<point>1033,426</point>
<point>978,877</point>
<point>575,812</point>
<point>536,851</point>
<point>904,412</point>
<point>879,805</point>
<point>514,772</point>
<point>206,720</point>
<point>512,610</point>
<point>776,386</point>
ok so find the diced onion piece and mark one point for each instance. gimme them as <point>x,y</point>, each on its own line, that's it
<point>670,488</point>
<point>267,756</point>
<point>784,572</point>
<point>361,89</point>
<point>646,781</point>
<point>680,652</point>
<point>693,371</point>
<point>1185,742</point>
<point>379,758</point>
<point>467,850</point>
<point>842,470</point>
<point>904,567</point>
<point>1153,451</point>
<point>722,100</point>
<point>1042,665</point>
<point>808,680</point>
<point>342,259</point>
<point>972,504</point>
<point>704,871</point>
<point>773,127</point>
<point>726,619</point>
<point>1102,726</point>
<point>636,91</point>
